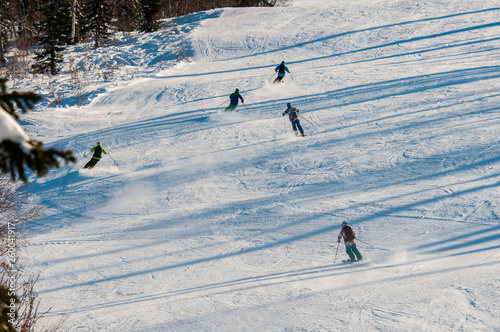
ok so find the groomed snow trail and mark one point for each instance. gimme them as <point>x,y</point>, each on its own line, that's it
<point>220,221</point>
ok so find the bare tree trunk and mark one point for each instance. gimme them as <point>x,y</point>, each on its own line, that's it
<point>2,55</point>
<point>2,36</point>
<point>73,21</point>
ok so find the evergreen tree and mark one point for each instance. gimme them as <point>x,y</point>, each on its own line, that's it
<point>55,29</point>
<point>13,156</point>
<point>98,20</point>
<point>26,14</point>
<point>127,14</point>
<point>150,11</point>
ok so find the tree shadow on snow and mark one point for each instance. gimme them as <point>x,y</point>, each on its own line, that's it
<point>395,43</point>
<point>300,237</point>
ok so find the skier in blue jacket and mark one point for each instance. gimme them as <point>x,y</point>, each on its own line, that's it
<point>280,69</point>
<point>234,97</point>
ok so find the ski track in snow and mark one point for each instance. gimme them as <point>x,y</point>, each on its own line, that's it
<point>224,221</point>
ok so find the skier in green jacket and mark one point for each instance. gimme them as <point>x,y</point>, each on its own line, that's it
<point>98,150</point>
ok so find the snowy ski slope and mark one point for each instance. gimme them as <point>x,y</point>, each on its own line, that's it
<point>219,221</point>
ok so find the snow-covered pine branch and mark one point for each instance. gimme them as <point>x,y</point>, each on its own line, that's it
<point>17,149</point>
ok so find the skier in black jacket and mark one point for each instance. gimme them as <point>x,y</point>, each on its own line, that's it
<point>280,69</point>
<point>234,97</point>
<point>98,150</point>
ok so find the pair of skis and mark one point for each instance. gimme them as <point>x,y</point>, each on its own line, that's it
<point>348,260</point>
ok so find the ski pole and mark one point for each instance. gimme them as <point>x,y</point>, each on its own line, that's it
<point>271,77</point>
<point>336,252</point>
<point>308,121</point>
<point>84,156</point>
<point>366,243</point>
<point>113,159</point>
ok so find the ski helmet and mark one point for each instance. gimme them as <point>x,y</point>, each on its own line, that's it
<point>344,223</point>
<point>98,143</point>
<point>237,90</point>
<point>289,105</point>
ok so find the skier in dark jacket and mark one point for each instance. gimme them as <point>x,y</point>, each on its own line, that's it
<point>234,97</point>
<point>350,243</point>
<point>98,150</point>
<point>293,115</point>
<point>280,69</point>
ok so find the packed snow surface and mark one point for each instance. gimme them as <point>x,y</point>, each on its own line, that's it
<point>225,221</point>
